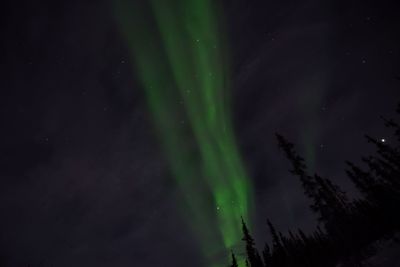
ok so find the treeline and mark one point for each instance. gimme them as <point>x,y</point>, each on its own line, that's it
<point>350,227</point>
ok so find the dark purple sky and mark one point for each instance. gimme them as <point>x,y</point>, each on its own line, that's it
<point>83,181</point>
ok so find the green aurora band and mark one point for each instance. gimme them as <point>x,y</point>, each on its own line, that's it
<point>181,60</point>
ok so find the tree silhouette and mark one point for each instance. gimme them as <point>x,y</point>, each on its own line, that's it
<point>234,262</point>
<point>252,254</point>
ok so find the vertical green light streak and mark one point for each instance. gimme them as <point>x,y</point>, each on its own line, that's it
<point>180,58</point>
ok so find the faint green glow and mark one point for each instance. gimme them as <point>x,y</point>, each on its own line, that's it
<point>180,55</point>
<point>310,106</point>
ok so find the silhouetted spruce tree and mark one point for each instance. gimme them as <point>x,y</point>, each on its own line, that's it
<point>329,201</point>
<point>335,208</point>
<point>276,242</point>
<point>234,262</point>
<point>366,212</point>
<point>252,254</point>
<point>380,184</point>
<point>278,251</point>
<point>267,256</point>
<point>363,180</point>
<point>299,167</point>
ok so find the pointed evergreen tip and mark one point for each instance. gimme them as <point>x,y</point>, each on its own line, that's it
<point>269,223</point>
<point>280,138</point>
<point>243,222</point>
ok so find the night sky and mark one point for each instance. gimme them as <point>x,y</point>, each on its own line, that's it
<point>83,178</point>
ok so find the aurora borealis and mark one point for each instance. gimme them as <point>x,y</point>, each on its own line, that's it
<point>182,59</point>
